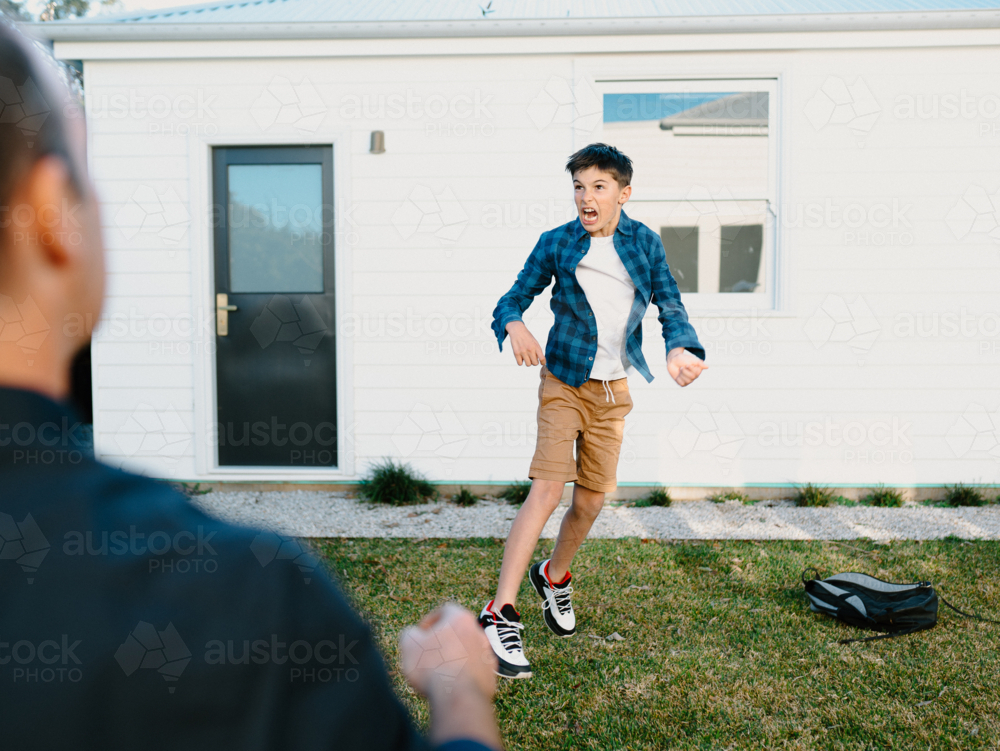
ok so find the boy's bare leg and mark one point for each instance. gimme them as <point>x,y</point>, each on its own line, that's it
<point>542,500</point>
<point>575,527</point>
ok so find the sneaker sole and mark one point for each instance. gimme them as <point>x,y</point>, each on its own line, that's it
<point>534,576</point>
<point>508,670</point>
<point>512,674</point>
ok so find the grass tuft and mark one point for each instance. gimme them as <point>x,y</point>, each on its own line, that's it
<point>516,493</point>
<point>396,485</point>
<point>656,497</point>
<point>729,495</point>
<point>812,496</point>
<point>963,495</point>
<point>465,497</point>
<point>880,495</point>
<point>192,490</point>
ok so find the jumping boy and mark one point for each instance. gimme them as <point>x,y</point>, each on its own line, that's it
<point>607,269</point>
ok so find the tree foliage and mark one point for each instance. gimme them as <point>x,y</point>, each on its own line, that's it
<point>15,10</point>
<point>57,10</point>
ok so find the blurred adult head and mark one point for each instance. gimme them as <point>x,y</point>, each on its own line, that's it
<point>51,251</point>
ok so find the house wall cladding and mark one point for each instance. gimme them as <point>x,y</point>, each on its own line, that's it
<point>880,366</point>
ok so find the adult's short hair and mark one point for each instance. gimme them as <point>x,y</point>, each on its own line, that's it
<point>32,121</point>
<point>605,158</point>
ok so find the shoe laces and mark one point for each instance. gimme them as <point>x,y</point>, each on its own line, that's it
<point>509,633</point>
<point>561,596</point>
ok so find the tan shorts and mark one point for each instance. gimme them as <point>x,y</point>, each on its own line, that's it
<point>586,417</point>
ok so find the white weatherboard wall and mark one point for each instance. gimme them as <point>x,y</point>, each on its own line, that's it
<point>881,364</point>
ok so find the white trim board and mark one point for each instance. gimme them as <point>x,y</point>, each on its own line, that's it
<point>130,49</point>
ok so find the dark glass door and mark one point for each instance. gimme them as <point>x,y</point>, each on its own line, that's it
<point>275,326</point>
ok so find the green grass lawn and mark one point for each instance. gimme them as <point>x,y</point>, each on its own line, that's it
<point>721,651</point>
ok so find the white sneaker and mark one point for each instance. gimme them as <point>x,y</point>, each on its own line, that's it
<point>556,605</point>
<point>503,630</point>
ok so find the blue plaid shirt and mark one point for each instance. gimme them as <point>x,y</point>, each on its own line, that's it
<point>572,343</point>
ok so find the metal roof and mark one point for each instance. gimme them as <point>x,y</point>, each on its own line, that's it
<point>254,19</point>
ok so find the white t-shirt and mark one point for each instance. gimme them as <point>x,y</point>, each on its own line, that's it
<point>610,292</point>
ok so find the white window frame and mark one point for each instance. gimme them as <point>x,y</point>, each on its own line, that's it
<point>774,299</point>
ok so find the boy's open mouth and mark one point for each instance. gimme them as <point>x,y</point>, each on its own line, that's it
<point>589,215</point>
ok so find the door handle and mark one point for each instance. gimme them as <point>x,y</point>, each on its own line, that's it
<point>222,308</point>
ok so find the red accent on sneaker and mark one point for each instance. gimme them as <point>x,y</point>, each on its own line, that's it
<point>558,583</point>
<point>500,609</point>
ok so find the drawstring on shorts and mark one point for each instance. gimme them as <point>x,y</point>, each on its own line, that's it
<point>609,394</point>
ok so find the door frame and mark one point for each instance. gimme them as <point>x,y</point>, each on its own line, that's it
<point>206,453</point>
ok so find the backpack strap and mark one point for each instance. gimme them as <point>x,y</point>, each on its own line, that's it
<point>966,615</point>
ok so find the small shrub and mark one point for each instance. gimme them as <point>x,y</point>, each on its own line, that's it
<point>192,490</point>
<point>395,484</point>
<point>465,497</point>
<point>516,493</point>
<point>729,495</point>
<point>883,496</point>
<point>963,495</point>
<point>656,497</point>
<point>841,500</point>
<point>812,496</point>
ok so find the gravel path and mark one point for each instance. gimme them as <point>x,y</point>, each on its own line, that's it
<point>325,514</point>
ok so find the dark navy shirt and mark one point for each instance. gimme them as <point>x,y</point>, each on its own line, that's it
<point>130,619</point>
<point>572,342</point>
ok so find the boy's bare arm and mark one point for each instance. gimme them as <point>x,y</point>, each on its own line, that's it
<point>684,366</point>
<point>527,350</point>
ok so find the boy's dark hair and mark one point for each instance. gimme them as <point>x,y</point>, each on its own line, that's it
<point>31,119</point>
<point>605,158</point>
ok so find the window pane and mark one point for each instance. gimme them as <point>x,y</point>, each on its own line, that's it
<point>275,228</point>
<point>739,268</point>
<point>681,245</point>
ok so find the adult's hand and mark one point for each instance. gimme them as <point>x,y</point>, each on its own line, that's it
<point>527,350</point>
<point>683,366</point>
<point>447,658</point>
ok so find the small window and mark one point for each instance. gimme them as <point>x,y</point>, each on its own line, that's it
<point>703,153</point>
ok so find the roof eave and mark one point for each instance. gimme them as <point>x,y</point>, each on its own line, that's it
<point>97,31</point>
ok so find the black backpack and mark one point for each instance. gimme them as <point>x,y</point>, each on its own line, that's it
<point>869,603</point>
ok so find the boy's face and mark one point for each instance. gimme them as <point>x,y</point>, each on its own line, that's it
<point>599,200</point>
